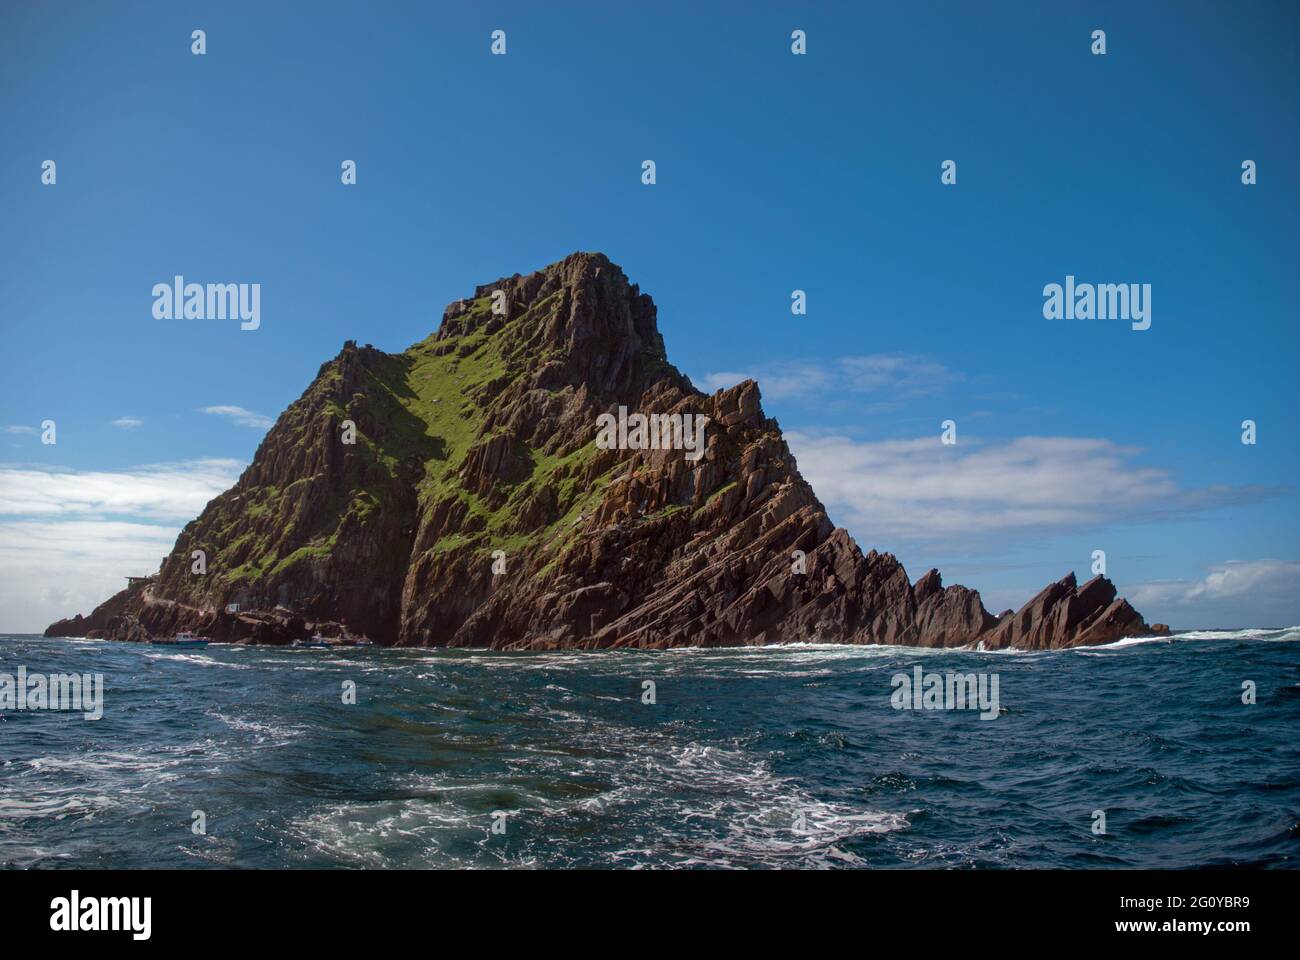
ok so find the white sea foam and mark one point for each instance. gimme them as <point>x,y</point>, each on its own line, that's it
<point>1271,634</point>
<point>277,734</point>
<point>696,804</point>
<point>198,659</point>
<point>57,808</point>
<point>1262,634</point>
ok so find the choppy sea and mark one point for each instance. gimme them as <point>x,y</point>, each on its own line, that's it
<point>780,757</point>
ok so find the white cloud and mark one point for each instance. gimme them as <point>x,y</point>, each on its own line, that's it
<point>1257,579</point>
<point>158,492</point>
<point>245,418</point>
<point>127,423</point>
<point>896,376</point>
<point>53,569</point>
<point>1231,595</point>
<point>17,428</point>
<point>788,380</point>
<point>923,490</point>
<point>68,539</point>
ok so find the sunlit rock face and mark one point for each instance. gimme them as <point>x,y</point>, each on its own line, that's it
<point>456,494</point>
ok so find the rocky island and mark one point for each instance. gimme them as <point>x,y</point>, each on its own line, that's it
<point>454,495</point>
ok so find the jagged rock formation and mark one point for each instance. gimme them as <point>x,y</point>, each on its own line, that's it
<point>475,508</point>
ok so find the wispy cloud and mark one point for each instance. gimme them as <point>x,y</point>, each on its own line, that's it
<point>158,492</point>
<point>245,418</point>
<point>1234,579</point>
<point>128,423</point>
<point>1233,594</point>
<point>922,490</point>
<point>893,376</point>
<point>53,569</point>
<point>67,538</point>
<point>19,428</point>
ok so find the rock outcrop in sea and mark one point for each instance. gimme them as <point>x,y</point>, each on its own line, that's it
<point>475,509</point>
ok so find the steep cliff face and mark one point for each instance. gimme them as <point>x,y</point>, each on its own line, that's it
<point>474,507</point>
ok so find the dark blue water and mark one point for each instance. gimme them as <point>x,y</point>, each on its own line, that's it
<point>741,748</point>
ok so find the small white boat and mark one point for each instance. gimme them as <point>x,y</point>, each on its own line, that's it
<point>317,642</point>
<point>183,639</point>
<point>351,641</point>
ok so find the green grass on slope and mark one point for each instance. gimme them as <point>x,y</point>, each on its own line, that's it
<point>425,401</point>
<point>444,385</point>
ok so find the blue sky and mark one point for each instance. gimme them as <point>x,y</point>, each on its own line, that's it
<point>775,172</point>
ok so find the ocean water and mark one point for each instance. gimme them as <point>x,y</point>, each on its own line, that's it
<point>779,757</point>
